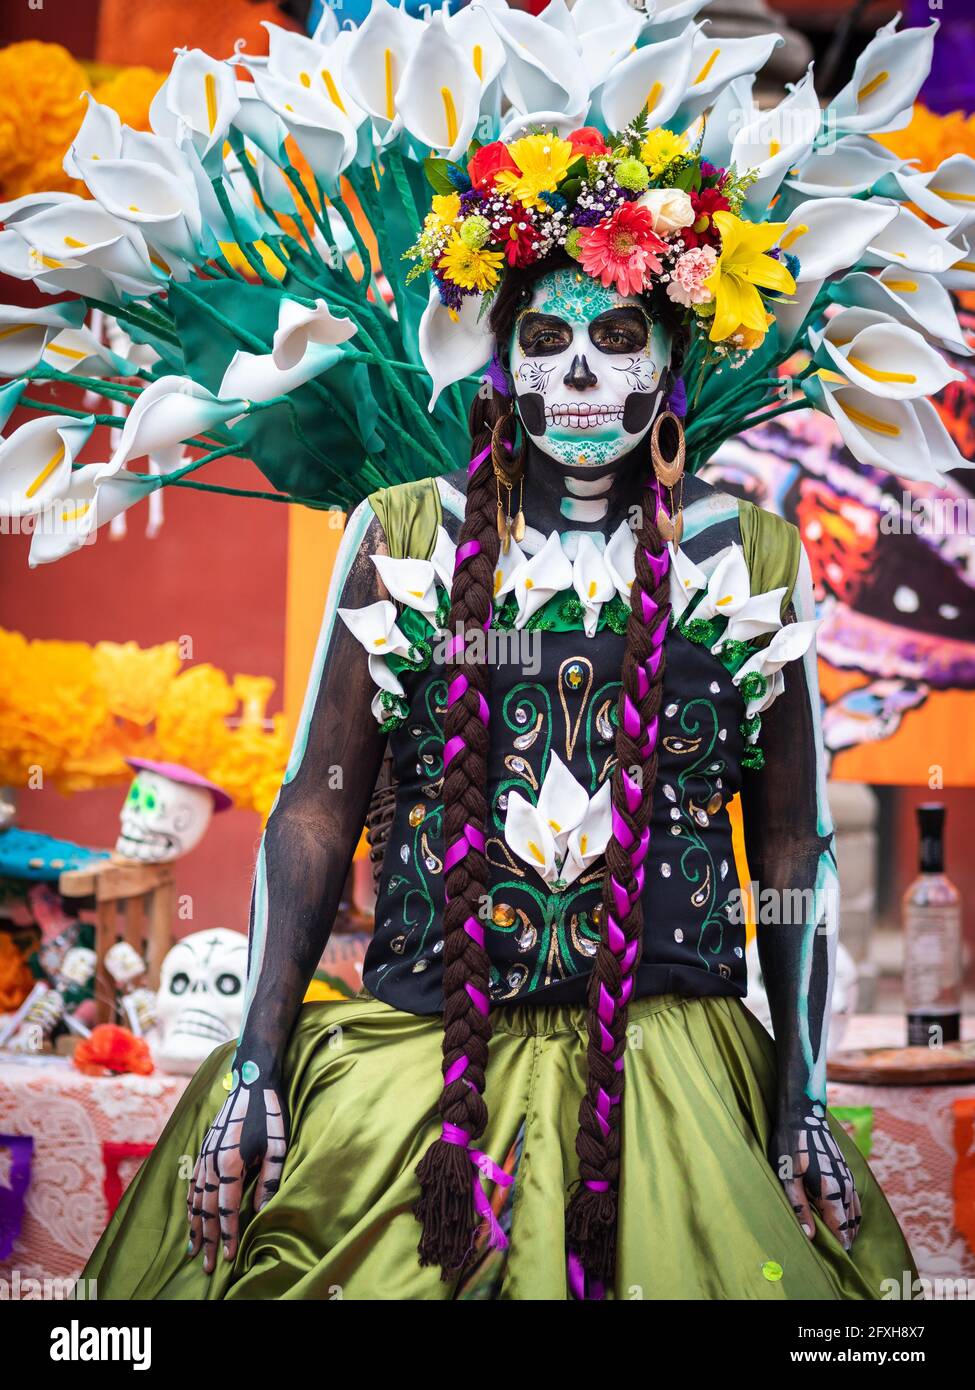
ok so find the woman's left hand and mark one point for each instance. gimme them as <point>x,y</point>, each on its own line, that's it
<point>811,1168</point>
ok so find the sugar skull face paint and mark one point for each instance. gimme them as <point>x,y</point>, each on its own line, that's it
<point>587,364</point>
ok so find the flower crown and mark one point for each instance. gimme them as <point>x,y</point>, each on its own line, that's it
<point>639,210</point>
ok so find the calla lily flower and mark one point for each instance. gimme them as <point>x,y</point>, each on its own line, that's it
<point>452,344</point>
<point>90,499</point>
<point>608,44</point>
<point>24,333</point>
<point>542,71</point>
<point>534,583</point>
<point>304,62</point>
<point>886,79</point>
<point>852,165</point>
<point>886,359</point>
<point>202,93</point>
<point>714,63</point>
<point>375,627</point>
<point>559,123</point>
<point>299,326</point>
<point>946,194</point>
<point>163,207</point>
<point>942,449</point>
<point>509,562</point>
<point>960,275</point>
<point>728,587</point>
<point>36,461</point>
<point>686,579</point>
<point>253,376</point>
<point>266,131</point>
<point>99,137</point>
<point>443,558</point>
<point>325,135</point>
<point>878,431</point>
<point>619,559</point>
<point>21,261</point>
<point>539,835</point>
<point>410,582</point>
<point>668,18</point>
<point>439,97</point>
<point>789,643</point>
<point>589,839</point>
<point>653,79</point>
<point>84,234</point>
<point>172,409</point>
<point>78,350</point>
<point>908,242</point>
<point>473,32</point>
<point>830,234</point>
<point>910,297</point>
<point>375,61</point>
<point>777,139</point>
<point>592,582</point>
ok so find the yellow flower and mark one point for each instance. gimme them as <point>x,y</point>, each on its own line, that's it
<point>446,207</point>
<point>469,267</point>
<point>543,161</point>
<point>742,265</point>
<point>660,148</point>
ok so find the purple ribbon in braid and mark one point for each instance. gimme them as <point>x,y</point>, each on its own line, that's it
<point>636,847</point>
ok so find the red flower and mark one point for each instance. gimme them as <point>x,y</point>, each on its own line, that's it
<point>110,1050</point>
<point>518,236</point>
<point>489,162</point>
<point>702,231</point>
<point>623,250</point>
<point>587,140</point>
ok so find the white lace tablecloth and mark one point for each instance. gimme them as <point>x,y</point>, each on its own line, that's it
<point>920,1140</point>
<point>70,1118</point>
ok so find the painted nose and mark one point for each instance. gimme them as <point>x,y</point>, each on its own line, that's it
<point>579,375</point>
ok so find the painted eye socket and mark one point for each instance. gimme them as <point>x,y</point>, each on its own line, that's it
<point>543,335</point>
<point>134,794</point>
<point>620,330</point>
<point>228,984</point>
<point>180,983</point>
<point>150,801</point>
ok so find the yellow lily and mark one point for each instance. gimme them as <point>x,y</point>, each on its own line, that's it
<point>742,265</point>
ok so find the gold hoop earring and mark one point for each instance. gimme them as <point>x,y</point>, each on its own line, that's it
<point>669,474</point>
<point>669,471</point>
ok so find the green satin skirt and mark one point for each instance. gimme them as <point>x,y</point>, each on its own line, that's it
<point>702,1214</point>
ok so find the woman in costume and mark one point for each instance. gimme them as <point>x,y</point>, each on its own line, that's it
<point>576,652</point>
<point>574,649</point>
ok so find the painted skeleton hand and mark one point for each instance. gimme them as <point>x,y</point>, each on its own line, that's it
<point>812,1169</point>
<point>251,1129</point>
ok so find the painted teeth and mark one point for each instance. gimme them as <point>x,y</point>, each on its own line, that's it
<point>582,415</point>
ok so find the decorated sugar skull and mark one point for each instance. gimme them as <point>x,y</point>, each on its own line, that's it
<point>587,364</point>
<point>201,997</point>
<point>166,812</point>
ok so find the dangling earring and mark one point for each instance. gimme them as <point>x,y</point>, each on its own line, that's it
<point>669,474</point>
<point>508,471</point>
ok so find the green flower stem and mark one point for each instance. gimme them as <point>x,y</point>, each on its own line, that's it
<point>167,479</point>
<point>262,496</point>
<point>112,392</point>
<point>394,163</point>
<point>159,328</point>
<point>321,222</point>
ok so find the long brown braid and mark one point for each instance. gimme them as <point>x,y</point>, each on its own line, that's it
<point>446,1207</point>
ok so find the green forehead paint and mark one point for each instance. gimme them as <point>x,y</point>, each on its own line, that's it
<point>574,296</point>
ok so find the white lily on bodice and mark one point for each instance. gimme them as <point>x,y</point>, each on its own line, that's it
<point>565,832</point>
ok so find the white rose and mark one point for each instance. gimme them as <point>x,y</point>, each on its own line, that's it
<point>670,209</point>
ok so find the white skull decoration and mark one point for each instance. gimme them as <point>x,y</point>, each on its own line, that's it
<point>166,812</point>
<point>200,1001</point>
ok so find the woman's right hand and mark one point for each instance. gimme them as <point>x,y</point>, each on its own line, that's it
<point>251,1129</point>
